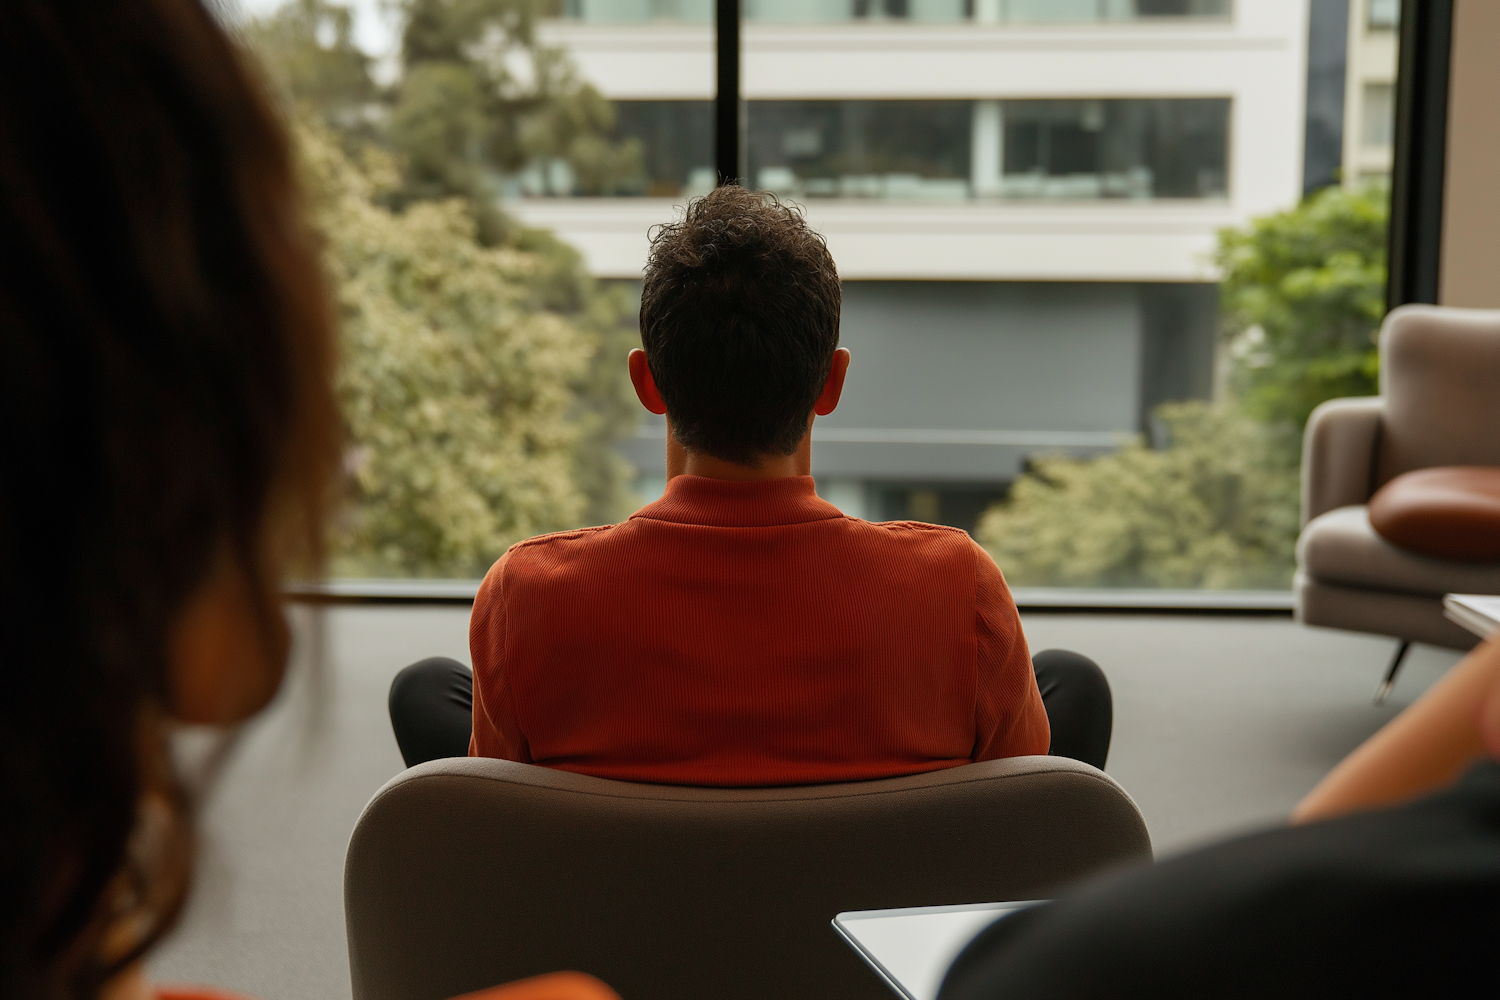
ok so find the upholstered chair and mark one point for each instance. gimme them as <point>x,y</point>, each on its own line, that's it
<point>467,872</point>
<point>1439,405</point>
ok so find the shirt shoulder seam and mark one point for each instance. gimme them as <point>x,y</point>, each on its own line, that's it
<point>559,536</point>
<point>944,529</point>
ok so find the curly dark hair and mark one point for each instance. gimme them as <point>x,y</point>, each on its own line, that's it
<point>166,398</point>
<point>740,319</point>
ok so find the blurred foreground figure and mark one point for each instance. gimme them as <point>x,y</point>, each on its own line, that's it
<point>170,435</point>
<point>1379,892</point>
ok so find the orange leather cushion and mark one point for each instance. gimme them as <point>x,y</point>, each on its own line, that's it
<point>1451,512</point>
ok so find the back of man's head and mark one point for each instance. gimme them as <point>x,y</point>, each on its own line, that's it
<point>740,320</point>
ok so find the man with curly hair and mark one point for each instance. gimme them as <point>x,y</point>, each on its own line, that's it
<point>741,631</point>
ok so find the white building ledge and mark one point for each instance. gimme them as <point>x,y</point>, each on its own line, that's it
<point>933,241</point>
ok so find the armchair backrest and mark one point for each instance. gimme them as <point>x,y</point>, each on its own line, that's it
<point>467,872</point>
<point>1440,376</point>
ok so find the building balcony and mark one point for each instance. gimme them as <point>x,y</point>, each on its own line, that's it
<point>969,240</point>
<point>661,61</point>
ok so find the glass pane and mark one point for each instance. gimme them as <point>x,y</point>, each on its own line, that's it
<point>637,11</point>
<point>485,180</point>
<point>981,11</point>
<point>1369,101</point>
<point>1051,220</point>
<point>861,149</point>
<point>1102,10</point>
<point>677,138</point>
<point>1378,115</point>
<point>911,11</point>
<point>1384,13</point>
<point>1052,149</point>
<point>1115,148</point>
<point>1067,231</point>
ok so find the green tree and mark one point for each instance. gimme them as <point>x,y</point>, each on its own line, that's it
<point>307,49</point>
<point>432,133</point>
<point>1303,295</point>
<point>457,392</point>
<point>1217,507</point>
<point>480,97</point>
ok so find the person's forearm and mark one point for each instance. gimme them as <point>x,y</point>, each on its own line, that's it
<point>1423,749</point>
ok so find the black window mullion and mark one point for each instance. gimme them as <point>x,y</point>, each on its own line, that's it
<point>729,118</point>
<point>1417,170</point>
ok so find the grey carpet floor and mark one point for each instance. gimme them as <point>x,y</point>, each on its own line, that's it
<point>1221,724</point>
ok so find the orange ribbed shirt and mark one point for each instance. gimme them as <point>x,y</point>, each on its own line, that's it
<point>748,633</point>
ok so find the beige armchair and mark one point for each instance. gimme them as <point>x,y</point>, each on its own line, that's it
<point>1439,405</point>
<point>467,872</point>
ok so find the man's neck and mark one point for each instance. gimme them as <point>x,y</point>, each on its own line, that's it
<point>682,462</point>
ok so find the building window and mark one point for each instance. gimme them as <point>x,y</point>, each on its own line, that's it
<point>677,141</point>
<point>919,11</point>
<point>1377,130</point>
<point>1384,14</point>
<point>1098,10</point>
<point>1115,149</point>
<point>1024,199</point>
<point>861,149</point>
<point>637,11</point>
<point>932,150</point>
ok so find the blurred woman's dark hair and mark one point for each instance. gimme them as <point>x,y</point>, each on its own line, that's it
<point>165,401</point>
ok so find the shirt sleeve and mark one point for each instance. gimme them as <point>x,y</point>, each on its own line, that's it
<point>1009,718</point>
<point>497,731</point>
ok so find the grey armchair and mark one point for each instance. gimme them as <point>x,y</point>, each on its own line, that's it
<point>1439,405</point>
<point>467,872</point>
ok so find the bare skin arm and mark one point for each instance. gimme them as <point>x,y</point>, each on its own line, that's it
<point>1421,750</point>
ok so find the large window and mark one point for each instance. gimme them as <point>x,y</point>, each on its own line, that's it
<point>1072,235</point>
<point>1383,14</point>
<point>1115,148</point>
<point>861,149</point>
<point>915,149</point>
<point>677,138</point>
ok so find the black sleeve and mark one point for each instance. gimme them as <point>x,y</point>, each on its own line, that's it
<point>1401,902</point>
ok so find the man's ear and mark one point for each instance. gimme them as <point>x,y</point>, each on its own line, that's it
<point>834,387</point>
<point>645,385</point>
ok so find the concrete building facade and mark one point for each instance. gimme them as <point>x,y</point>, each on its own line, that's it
<point>1023,198</point>
<point>1370,91</point>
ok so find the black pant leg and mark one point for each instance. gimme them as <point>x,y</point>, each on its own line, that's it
<point>432,710</point>
<point>1080,709</point>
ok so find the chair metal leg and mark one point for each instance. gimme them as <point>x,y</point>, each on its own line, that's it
<point>1384,690</point>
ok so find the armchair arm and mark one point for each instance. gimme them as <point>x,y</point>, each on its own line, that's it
<point>1338,454</point>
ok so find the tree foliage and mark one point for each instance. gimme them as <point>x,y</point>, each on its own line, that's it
<point>307,48</point>
<point>1217,507</point>
<point>1303,294</point>
<point>480,97</point>
<point>457,394</point>
<point>483,369</point>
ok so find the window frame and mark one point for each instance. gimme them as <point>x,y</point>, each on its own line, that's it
<point>1415,236</point>
<point>1419,153</point>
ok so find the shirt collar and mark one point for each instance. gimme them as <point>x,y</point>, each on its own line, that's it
<point>725,503</point>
